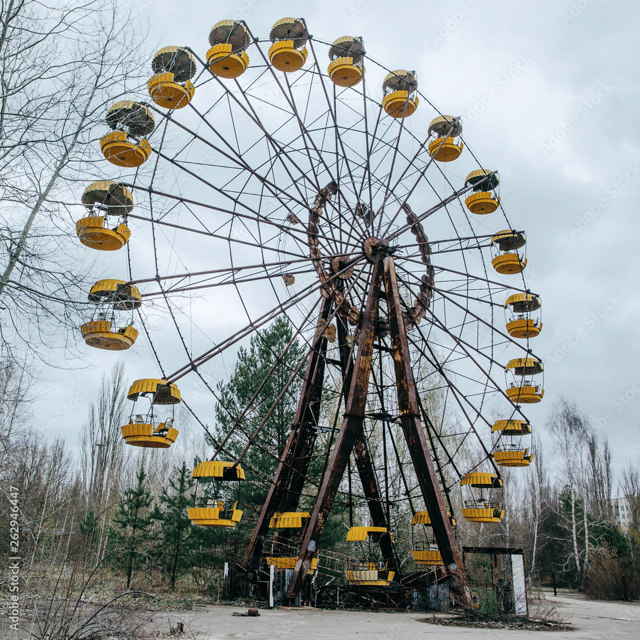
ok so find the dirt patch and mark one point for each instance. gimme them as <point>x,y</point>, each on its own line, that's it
<point>491,622</point>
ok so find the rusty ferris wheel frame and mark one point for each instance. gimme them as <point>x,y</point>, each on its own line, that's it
<point>391,291</point>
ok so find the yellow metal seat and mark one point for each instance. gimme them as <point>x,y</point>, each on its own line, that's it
<point>369,577</point>
<point>285,57</point>
<point>288,520</point>
<point>445,149</point>
<point>344,73</point>
<point>513,458</point>
<point>225,64</point>
<point>524,328</point>
<point>398,104</point>
<point>119,151</point>
<point>215,516</point>
<point>169,94</point>
<point>290,563</point>
<point>482,203</point>
<point>98,334</point>
<point>525,394</point>
<point>93,234</point>
<point>509,263</point>
<point>144,435</point>
<point>427,557</point>
<point>487,515</point>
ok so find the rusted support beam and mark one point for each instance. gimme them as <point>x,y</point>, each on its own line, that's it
<point>349,431</point>
<point>416,440</point>
<point>364,464</point>
<point>284,493</point>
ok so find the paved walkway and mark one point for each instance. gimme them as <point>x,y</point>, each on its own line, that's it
<point>590,620</point>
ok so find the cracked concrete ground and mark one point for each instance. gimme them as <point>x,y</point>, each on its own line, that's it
<point>590,621</point>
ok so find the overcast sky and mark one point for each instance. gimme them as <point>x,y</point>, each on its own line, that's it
<point>549,93</point>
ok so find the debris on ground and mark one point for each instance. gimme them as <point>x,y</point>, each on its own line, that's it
<point>251,613</point>
<point>496,622</point>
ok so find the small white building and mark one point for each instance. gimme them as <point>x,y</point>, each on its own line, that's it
<point>622,512</point>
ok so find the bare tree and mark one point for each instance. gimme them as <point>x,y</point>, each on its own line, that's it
<point>61,66</point>
<point>571,433</point>
<point>101,444</point>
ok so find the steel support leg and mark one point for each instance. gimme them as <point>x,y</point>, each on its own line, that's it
<point>294,461</point>
<point>349,431</point>
<point>364,464</point>
<point>416,440</point>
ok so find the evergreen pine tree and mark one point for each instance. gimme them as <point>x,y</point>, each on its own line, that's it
<point>176,532</point>
<point>130,533</point>
<point>252,367</point>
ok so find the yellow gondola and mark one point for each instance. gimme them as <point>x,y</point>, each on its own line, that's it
<point>210,512</point>
<point>522,389</point>
<point>288,53</point>
<point>400,87</point>
<point>447,145</point>
<point>153,428</point>
<point>128,119</point>
<point>504,248</point>
<point>481,508</point>
<point>227,58</point>
<point>173,69</point>
<point>111,199</point>
<point>106,330</point>
<point>427,553</point>
<point>347,61</point>
<point>484,198</point>
<point>509,449</point>
<point>522,323</point>
<point>365,572</point>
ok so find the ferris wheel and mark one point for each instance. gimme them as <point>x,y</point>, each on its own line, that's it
<point>294,177</point>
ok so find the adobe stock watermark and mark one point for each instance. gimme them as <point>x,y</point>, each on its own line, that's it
<point>64,410</point>
<point>502,83</point>
<point>245,10</point>
<point>618,404</point>
<point>453,21</point>
<point>565,127</point>
<point>14,560</point>
<point>358,8</point>
<point>589,322</point>
<point>575,10</point>
<point>612,191</point>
